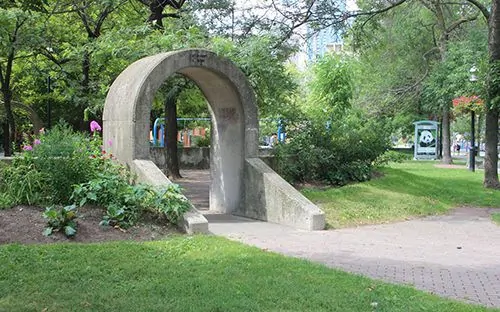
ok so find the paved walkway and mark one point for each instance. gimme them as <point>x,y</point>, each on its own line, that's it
<point>455,256</point>
<point>196,185</point>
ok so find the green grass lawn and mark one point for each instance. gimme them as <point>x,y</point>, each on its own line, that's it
<point>406,190</point>
<point>496,217</point>
<point>200,273</point>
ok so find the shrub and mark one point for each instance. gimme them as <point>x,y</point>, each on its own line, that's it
<point>391,156</point>
<point>125,202</point>
<point>5,201</point>
<point>333,153</point>
<point>22,183</point>
<point>48,167</point>
<point>201,141</point>
<point>67,158</point>
<point>63,166</point>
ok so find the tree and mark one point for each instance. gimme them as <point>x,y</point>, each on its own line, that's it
<point>157,10</point>
<point>331,88</point>
<point>17,34</point>
<point>493,100</point>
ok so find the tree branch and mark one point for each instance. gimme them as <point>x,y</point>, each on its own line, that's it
<point>481,7</point>
<point>459,22</point>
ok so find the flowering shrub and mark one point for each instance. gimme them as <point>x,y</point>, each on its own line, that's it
<point>61,166</point>
<point>50,165</point>
<point>466,104</point>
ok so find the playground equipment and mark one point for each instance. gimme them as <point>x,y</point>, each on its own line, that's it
<point>158,138</point>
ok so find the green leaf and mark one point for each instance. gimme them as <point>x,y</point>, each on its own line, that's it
<point>48,231</point>
<point>69,231</point>
<point>92,196</point>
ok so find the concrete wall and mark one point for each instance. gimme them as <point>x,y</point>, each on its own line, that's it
<point>197,157</point>
<point>270,198</point>
<point>189,157</point>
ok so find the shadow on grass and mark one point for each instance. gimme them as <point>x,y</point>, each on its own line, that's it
<point>450,186</point>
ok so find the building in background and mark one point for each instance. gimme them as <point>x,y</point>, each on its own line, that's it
<point>323,41</point>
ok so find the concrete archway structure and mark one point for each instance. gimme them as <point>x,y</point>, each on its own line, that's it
<point>238,176</point>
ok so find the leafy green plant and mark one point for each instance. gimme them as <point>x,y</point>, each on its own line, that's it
<point>391,156</point>
<point>5,201</point>
<point>202,141</point>
<point>60,219</point>
<point>167,201</point>
<point>23,183</point>
<point>125,202</point>
<point>117,216</point>
<point>67,158</point>
<point>335,153</point>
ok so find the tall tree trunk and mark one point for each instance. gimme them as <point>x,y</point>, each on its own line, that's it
<point>491,152</point>
<point>443,48</point>
<point>493,89</point>
<point>446,136</point>
<point>171,134</point>
<point>6,147</point>
<point>11,133</point>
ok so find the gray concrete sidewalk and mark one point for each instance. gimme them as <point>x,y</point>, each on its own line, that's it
<point>455,256</point>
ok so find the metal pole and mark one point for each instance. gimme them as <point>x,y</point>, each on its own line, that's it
<point>472,153</point>
<point>49,106</point>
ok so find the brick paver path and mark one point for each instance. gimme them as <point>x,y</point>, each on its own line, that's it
<point>455,256</point>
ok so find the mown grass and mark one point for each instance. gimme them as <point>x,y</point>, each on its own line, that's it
<point>496,217</point>
<point>405,190</point>
<point>201,273</point>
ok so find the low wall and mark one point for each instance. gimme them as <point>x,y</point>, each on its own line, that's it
<point>189,157</point>
<point>6,160</point>
<point>269,197</point>
<point>196,157</point>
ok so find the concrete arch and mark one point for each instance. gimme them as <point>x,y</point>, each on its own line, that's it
<point>232,105</point>
<point>241,183</point>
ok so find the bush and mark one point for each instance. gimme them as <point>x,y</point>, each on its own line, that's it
<point>125,202</point>
<point>201,141</point>
<point>391,156</point>
<point>22,183</point>
<point>5,201</point>
<point>48,168</point>
<point>67,158</point>
<point>62,167</point>
<point>333,153</point>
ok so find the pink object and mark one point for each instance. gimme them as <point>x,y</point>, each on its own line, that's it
<point>94,126</point>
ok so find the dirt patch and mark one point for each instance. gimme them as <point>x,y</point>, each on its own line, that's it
<point>25,224</point>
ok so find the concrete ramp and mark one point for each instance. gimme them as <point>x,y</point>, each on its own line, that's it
<point>269,197</point>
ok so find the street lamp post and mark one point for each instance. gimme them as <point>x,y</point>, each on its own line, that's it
<point>472,153</point>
